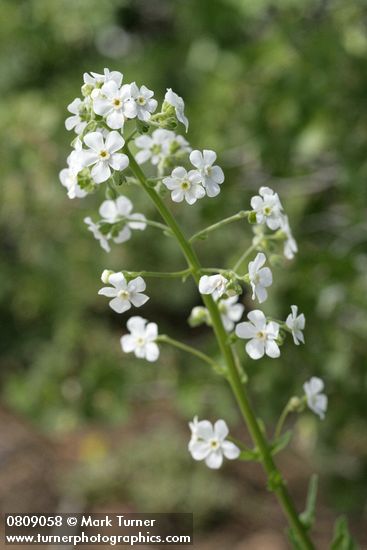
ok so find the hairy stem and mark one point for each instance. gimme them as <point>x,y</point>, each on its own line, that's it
<point>276,482</point>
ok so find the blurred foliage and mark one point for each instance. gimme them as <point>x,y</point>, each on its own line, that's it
<point>279,90</point>
<point>149,474</point>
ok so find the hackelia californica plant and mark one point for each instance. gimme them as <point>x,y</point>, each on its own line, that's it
<point>118,128</point>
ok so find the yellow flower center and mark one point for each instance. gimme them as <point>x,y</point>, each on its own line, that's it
<point>117,103</point>
<point>104,154</point>
<point>185,185</point>
<point>124,294</point>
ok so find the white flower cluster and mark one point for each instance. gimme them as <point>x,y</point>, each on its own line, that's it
<point>99,118</point>
<point>160,146</point>
<point>263,335</point>
<point>125,294</point>
<point>195,184</point>
<point>100,154</point>
<point>268,211</point>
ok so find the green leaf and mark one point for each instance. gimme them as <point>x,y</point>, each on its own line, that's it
<point>342,539</point>
<point>308,516</point>
<point>280,443</point>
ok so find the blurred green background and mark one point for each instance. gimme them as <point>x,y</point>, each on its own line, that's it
<point>279,90</point>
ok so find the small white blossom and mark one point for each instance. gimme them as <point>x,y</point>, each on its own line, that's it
<point>316,400</point>
<point>69,176</point>
<point>160,145</point>
<point>70,180</point>
<point>267,207</point>
<point>260,277</point>
<point>124,293</point>
<point>102,154</point>
<point>231,312</point>
<point>141,339</point>
<point>290,244</point>
<point>198,316</point>
<point>178,103</point>
<point>296,323</point>
<point>215,285</point>
<point>184,185</point>
<point>77,108</point>
<point>145,104</point>
<point>94,228</point>
<point>97,80</point>
<point>211,176</point>
<point>262,335</point>
<point>115,104</point>
<point>209,443</point>
<point>114,211</point>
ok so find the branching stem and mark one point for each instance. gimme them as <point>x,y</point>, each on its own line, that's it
<point>275,479</point>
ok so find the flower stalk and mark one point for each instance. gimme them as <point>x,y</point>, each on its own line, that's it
<point>275,479</point>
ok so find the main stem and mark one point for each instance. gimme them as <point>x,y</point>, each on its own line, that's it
<point>274,476</point>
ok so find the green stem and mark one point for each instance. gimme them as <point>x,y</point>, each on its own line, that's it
<point>233,376</point>
<point>149,222</point>
<point>280,423</point>
<point>202,234</point>
<point>158,274</point>
<point>188,349</point>
<point>243,257</point>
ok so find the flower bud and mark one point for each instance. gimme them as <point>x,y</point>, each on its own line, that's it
<point>199,316</point>
<point>85,180</point>
<point>87,89</point>
<point>106,275</point>
<point>295,404</point>
<point>252,217</point>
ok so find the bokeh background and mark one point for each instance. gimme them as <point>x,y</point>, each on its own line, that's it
<point>279,90</point>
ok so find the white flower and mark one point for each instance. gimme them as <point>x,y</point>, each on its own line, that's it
<point>262,335</point>
<point>124,293</point>
<point>114,211</point>
<point>115,104</point>
<point>102,154</point>
<point>211,176</point>
<point>209,443</point>
<point>69,176</point>
<point>260,277</point>
<point>296,323</point>
<point>213,284</point>
<point>184,185</point>
<point>178,103</point>
<point>141,339</point>
<point>94,228</point>
<point>290,245</point>
<point>69,180</point>
<point>77,108</point>
<point>316,400</point>
<point>145,104</point>
<point>161,144</point>
<point>231,312</point>
<point>97,80</point>
<point>267,207</point>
